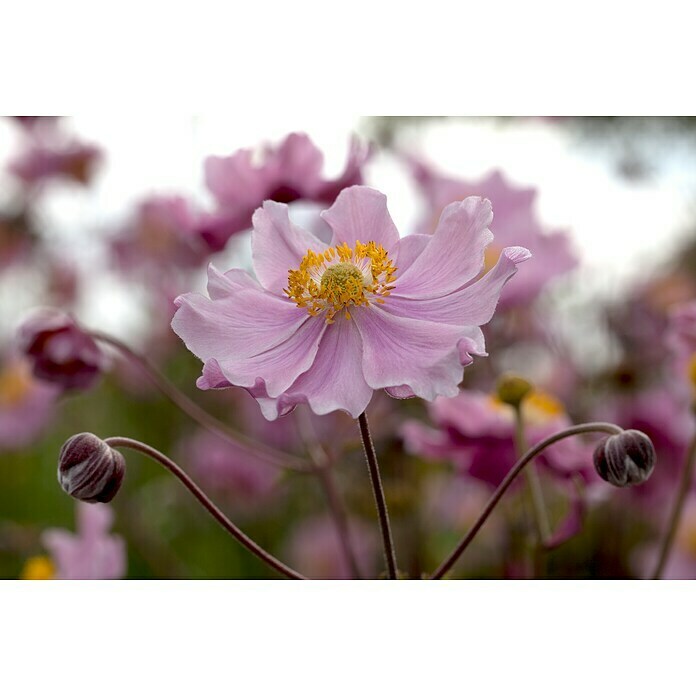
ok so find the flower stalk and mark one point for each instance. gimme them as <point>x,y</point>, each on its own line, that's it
<point>380,501</point>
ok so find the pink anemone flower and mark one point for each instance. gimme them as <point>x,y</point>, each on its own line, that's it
<point>288,172</point>
<point>327,324</point>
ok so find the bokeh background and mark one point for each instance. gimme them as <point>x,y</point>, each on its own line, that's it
<point>95,218</point>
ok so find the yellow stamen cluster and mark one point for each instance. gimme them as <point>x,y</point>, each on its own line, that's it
<point>339,277</point>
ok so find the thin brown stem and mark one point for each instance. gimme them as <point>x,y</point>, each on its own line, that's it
<point>677,509</point>
<point>447,564</point>
<point>380,501</point>
<point>198,414</point>
<point>323,467</point>
<point>208,504</point>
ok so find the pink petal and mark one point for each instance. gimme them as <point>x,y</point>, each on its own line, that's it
<point>472,305</point>
<point>212,376</point>
<point>235,181</point>
<point>401,352</point>
<point>250,322</point>
<point>277,246</point>
<point>280,366</point>
<point>410,248</point>
<point>222,285</point>
<point>335,380</point>
<point>454,255</point>
<point>360,214</point>
<point>299,163</point>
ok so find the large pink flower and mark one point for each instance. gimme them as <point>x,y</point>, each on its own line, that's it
<point>328,324</point>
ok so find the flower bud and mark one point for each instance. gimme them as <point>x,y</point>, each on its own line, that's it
<point>626,459</point>
<point>90,470</point>
<point>61,352</point>
<point>512,389</point>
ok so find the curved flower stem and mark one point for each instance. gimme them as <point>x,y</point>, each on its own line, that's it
<point>208,504</point>
<point>447,564</point>
<point>380,501</point>
<point>541,520</point>
<point>677,509</point>
<point>198,414</point>
<point>322,465</point>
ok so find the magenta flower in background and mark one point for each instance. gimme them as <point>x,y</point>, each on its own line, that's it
<point>475,431</point>
<point>41,162</point>
<point>60,351</point>
<point>90,554</point>
<point>515,223</point>
<point>327,325</point>
<point>27,405</point>
<point>288,172</point>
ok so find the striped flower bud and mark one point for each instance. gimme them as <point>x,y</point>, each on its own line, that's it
<point>90,470</point>
<point>626,459</point>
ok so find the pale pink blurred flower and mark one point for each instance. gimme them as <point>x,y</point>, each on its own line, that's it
<point>91,553</point>
<point>27,405</point>
<point>515,222</point>
<point>42,162</point>
<point>288,172</point>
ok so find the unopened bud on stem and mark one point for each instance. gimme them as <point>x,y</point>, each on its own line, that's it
<point>626,459</point>
<point>89,469</point>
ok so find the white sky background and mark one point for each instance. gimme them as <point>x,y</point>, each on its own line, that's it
<point>622,229</point>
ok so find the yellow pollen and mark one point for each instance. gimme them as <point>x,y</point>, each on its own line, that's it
<point>15,383</point>
<point>340,277</point>
<point>38,568</point>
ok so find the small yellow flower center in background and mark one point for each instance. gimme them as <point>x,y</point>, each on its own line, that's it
<point>340,277</point>
<point>15,383</point>
<point>38,568</point>
<point>538,408</point>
